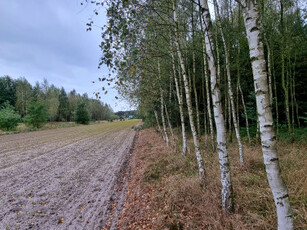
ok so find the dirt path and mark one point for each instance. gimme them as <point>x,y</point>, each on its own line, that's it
<point>62,178</point>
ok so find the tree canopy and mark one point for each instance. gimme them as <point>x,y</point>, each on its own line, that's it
<point>61,106</point>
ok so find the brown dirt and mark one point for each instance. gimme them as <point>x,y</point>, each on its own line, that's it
<point>64,178</point>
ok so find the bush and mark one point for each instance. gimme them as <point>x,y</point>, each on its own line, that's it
<point>82,115</point>
<point>9,118</point>
<point>37,115</point>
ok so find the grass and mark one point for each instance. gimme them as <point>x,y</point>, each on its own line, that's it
<point>50,125</point>
<point>181,202</point>
<point>21,128</point>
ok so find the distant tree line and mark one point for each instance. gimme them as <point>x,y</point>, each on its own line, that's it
<point>60,105</point>
<point>131,114</point>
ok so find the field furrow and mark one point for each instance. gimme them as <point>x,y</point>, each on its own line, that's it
<point>65,179</point>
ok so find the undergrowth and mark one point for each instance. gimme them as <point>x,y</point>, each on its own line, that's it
<point>183,203</point>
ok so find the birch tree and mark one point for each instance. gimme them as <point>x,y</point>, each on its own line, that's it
<point>207,87</point>
<point>194,74</point>
<point>158,124</point>
<point>180,101</point>
<point>188,98</point>
<point>227,195</point>
<point>162,106</point>
<point>230,92</point>
<point>268,142</point>
<point>169,123</point>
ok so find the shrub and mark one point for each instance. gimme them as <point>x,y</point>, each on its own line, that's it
<point>82,115</point>
<point>37,115</point>
<point>9,118</point>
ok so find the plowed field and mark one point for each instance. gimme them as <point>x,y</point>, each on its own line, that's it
<point>62,178</point>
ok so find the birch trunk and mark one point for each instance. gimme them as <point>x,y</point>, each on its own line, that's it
<point>208,99</point>
<point>179,97</point>
<point>163,120</point>
<point>158,124</point>
<point>162,107</point>
<point>169,123</point>
<point>196,96</point>
<point>230,92</point>
<point>188,99</point>
<point>204,101</point>
<point>237,103</point>
<point>258,127</point>
<point>227,194</point>
<point>278,187</point>
<point>229,119</point>
<point>269,72</point>
<point>207,90</point>
<point>194,76</point>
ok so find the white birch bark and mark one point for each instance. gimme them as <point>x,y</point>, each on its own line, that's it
<point>230,92</point>
<point>188,100</point>
<point>207,91</point>
<point>158,124</point>
<point>278,187</point>
<point>205,107</point>
<point>162,107</point>
<point>229,119</point>
<point>163,119</point>
<point>227,194</point>
<point>258,127</point>
<point>180,102</point>
<point>169,123</point>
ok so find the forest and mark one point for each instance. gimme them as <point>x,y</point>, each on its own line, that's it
<point>217,72</point>
<point>61,106</point>
<point>128,114</point>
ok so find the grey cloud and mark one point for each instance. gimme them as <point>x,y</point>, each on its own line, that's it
<point>48,39</point>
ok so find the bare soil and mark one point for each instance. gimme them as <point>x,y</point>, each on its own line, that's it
<point>67,178</point>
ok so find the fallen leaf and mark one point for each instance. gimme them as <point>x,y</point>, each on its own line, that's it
<point>61,220</point>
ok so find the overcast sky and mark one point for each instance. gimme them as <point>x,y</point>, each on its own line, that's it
<point>48,39</point>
